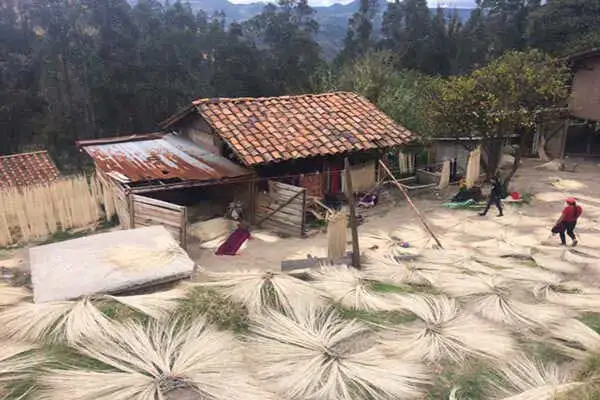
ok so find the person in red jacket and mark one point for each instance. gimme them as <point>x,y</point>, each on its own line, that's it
<point>567,221</point>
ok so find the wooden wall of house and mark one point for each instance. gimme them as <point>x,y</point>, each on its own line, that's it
<point>585,97</point>
<point>195,128</point>
<point>146,211</point>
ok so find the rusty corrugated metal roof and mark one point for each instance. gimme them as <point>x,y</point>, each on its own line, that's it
<point>159,157</point>
<point>17,170</point>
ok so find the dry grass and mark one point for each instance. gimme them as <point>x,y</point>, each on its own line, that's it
<point>54,321</point>
<point>259,290</point>
<point>149,361</point>
<point>70,321</point>
<point>351,288</point>
<point>136,258</point>
<point>17,362</point>
<point>444,332</point>
<point>388,269</point>
<point>155,305</point>
<point>36,212</point>
<point>526,379</point>
<point>317,355</point>
<point>491,298</point>
<point>10,295</point>
<point>552,264</point>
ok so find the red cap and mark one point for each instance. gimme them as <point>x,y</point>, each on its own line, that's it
<point>571,200</point>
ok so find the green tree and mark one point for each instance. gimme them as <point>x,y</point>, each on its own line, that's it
<point>506,22</point>
<point>286,33</point>
<point>359,38</point>
<point>503,98</point>
<point>406,31</point>
<point>565,26</point>
<point>400,94</point>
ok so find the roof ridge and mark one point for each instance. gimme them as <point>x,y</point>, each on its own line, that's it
<point>214,100</point>
<point>23,154</point>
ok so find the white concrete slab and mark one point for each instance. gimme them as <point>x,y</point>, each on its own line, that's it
<point>80,267</point>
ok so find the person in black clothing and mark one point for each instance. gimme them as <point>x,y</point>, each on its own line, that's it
<point>495,197</point>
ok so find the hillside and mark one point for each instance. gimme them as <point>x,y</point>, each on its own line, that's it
<point>333,20</point>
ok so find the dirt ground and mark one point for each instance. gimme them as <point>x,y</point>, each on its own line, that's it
<point>396,214</point>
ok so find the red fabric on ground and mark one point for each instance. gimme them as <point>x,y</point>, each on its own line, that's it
<point>233,243</point>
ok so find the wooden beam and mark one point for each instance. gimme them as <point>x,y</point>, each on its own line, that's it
<point>410,202</point>
<point>353,228</point>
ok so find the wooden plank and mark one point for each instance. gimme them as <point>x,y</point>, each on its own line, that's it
<point>158,218</point>
<point>157,210</point>
<point>173,216</point>
<point>184,228</point>
<point>159,203</point>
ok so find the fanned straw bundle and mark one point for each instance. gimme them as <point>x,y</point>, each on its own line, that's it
<point>156,305</point>
<point>16,363</point>
<point>386,269</point>
<point>150,361</point>
<point>259,290</point>
<point>575,338</point>
<point>525,379</point>
<point>317,355</point>
<point>10,295</point>
<point>490,298</point>
<point>555,265</point>
<point>71,321</point>
<point>52,321</point>
<point>444,332</point>
<point>352,289</point>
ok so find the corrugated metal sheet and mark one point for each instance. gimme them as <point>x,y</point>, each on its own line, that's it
<point>159,157</point>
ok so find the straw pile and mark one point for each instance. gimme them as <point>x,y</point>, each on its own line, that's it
<point>36,212</point>
<point>473,167</point>
<point>445,175</point>
<point>337,235</point>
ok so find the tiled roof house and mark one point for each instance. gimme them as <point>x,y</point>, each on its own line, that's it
<point>269,130</point>
<point>18,170</point>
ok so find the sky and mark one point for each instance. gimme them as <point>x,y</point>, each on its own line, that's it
<point>432,3</point>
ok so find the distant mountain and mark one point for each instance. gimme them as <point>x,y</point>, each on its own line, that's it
<point>333,20</point>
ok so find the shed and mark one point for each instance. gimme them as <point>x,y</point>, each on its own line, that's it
<point>297,140</point>
<point>169,180</point>
<point>24,169</point>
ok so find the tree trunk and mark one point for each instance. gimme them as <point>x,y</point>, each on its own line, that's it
<point>522,143</point>
<point>542,149</point>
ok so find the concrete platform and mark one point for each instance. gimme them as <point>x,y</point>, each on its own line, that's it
<point>80,267</point>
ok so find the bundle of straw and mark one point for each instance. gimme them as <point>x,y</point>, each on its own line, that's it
<point>337,235</point>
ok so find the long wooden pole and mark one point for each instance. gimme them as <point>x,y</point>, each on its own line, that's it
<point>410,202</point>
<point>353,228</point>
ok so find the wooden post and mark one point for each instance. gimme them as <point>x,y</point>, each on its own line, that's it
<point>410,202</point>
<point>353,228</point>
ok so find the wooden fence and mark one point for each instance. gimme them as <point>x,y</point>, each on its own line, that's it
<point>145,211</point>
<point>289,220</point>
